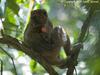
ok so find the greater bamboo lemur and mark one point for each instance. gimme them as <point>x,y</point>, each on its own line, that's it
<point>41,37</point>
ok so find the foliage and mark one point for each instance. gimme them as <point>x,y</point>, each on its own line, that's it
<point>14,14</point>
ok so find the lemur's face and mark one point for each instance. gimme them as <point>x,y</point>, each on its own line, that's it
<point>39,16</point>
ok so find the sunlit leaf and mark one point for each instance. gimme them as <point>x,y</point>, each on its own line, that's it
<point>32,65</point>
<point>10,16</point>
<point>37,6</point>
<point>13,6</point>
<point>20,53</point>
<point>20,1</point>
<point>9,27</point>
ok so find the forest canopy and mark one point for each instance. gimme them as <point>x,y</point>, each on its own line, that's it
<point>80,19</point>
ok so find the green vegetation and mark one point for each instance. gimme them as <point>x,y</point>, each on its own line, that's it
<point>14,15</point>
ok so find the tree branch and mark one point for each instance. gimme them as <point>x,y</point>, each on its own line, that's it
<point>86,25</point>
<point>78,46</point>
<point>20,46</point>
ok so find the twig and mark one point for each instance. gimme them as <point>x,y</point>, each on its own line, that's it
<point>1,67</point>
<point>11,59</point>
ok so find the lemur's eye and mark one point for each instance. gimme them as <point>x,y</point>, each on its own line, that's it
<point>44,13</point>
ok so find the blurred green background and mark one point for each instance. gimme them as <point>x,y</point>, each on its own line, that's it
<point>70,15</point>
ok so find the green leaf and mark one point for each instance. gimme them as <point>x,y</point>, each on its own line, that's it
<point>9,15</point>
<point>33,65</point>
<point>20,53</point>
<point>20,1</point>
<point>9,27</point>
<point>13,6</point>
<point>37,6</point>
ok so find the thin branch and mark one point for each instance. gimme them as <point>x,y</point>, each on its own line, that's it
<point>86,25</point>
<point>76,48</point>
<point>11,59</point>
<point>1,67</point>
